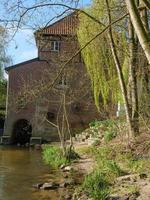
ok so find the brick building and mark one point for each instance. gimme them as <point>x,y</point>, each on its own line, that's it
<point>32,99</point>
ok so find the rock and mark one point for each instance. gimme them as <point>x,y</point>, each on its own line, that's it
<point>68,196</point>
<point>129,196</point>
<point>143,176</point>
<point>63,185</point>
<point>49,186</point>
<point>62,166</point>
<point>127,178</point>
<point>134,195</point>
<point>38,185</point>
<point>113,198</point>
<point>67,169</point>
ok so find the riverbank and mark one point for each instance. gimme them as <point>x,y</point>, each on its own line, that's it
<point>127,170</point>
<point>109,169</point>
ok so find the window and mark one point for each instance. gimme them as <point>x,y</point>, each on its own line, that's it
<point>55,45</point>
<point>62,83</point>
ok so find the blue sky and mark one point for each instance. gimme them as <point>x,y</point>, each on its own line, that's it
<point>23,46</point>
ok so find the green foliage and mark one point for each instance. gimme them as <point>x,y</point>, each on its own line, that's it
<point>105,123</point>
<point>104,161</point>
<point>96,185</point>
<point>96,142</point>
<point>134,164</point>
<point>95,123</point>
<point>108,127</point>
<point>3,61</point>
<point>53,156</point>
<point>3,90</point>
<point>108,135</point>
<point>97,55</point>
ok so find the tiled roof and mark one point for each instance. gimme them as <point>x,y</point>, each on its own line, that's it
<point>64,26</point>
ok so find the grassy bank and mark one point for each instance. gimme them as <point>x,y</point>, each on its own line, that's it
<point>112,160</point>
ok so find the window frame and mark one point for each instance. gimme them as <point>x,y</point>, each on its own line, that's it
<point>55,46</point>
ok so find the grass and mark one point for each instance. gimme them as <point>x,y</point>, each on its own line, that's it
<point>96,185</point>
<point>133,164</point>
<point>53,156</point>
<point>112,159</point>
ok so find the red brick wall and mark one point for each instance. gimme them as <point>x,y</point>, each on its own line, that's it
<point>32,80</point>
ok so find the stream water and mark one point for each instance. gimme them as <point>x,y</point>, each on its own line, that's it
<point>20,168</point>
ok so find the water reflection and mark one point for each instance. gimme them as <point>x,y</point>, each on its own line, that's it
<point>19,170</point>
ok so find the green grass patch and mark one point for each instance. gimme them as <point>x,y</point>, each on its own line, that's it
<point>109,135</point>
<point>53,156</point>
<point>96,185</point>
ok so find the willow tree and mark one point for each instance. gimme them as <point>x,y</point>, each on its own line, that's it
<point>3,60</point>
<point>107,57</point>
<point>98,57</point>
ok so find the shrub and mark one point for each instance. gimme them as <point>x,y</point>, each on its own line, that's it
<point>53,156</point>
<point>109,135</point>
<point>96,185</point>
<point>95,123</point>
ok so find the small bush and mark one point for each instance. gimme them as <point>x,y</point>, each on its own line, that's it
<point>95,123</point>
<point>96,185</point>
<point>109,135</point>
<point>53,156</point>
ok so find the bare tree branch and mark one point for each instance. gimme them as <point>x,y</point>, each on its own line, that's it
<point>147,3</point>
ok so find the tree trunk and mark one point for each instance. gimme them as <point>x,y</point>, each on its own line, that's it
<point>145,76</point>
<point>133,91</point>
<point>120,77</point>
<point>143,37</point>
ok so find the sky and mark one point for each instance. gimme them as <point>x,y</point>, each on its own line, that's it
<point>23,46</point>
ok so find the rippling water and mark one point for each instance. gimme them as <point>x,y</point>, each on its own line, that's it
<point>21,168</point>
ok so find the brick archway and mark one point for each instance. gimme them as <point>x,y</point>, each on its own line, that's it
<point>22,130</point>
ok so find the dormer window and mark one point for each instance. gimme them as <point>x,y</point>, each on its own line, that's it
<point>55,45</point>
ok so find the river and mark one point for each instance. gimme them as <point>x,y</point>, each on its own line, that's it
<point>20,168</point>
